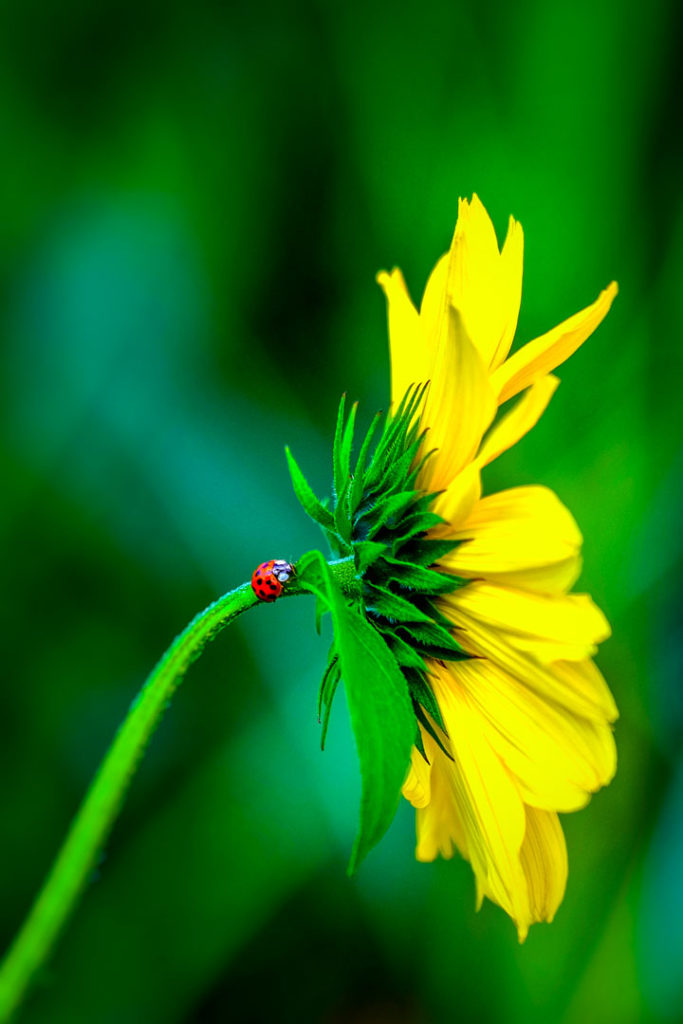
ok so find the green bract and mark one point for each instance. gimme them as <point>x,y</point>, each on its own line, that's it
<point>386,625</point>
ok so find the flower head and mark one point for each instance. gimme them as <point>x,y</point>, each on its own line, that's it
<point>467,662</point>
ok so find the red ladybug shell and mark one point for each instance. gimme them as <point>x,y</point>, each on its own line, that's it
<point>267,579</point>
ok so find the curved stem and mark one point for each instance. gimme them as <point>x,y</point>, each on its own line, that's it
<point>103,800</point>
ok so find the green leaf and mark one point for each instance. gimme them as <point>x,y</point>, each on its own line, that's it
<point>332,660</point>
<point>320,610</point>
<point>307,499</point>
<point>379,704</point>
<point>333,683</point>
<point>328,688</point>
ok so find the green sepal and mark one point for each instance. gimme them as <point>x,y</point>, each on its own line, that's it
<point>347,443</point>
<point>433,652</point>
<point>428,726</point>
<point>415,524</point>
<point>384,602</point>
<point>430,635</point>
<point>337,460</point>
<point>421,691</point>
<point>342,517</point>
<point>416,577</point>
<point>366,552</point>
<point>405,653</point>
<point>426,551</point>
<point>359,474</point>
<point>311,505</point>
<point>338,546</point>
<point>420,744</point>
<point>387,514</point>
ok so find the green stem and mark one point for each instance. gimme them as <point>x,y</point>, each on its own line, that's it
<point>97,813</point>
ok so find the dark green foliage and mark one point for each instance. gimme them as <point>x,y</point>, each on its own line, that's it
<point>379,520</point>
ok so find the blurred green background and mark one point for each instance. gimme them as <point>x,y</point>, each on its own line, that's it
<point>194,202</point>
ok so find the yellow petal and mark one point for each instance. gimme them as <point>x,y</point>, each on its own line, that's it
<point>548,627</point>
<point>483,284</point>
<point>577,686</point>
<point>456,502</point>
<point>512,427</point>
<point>539,357</point>
<point>411,360</point>
<point>587,684</point>
<point>417,787</point>
<point>439,823</point>
<point>435,299</point>
<point>459,405</point>
<point>557,757</point>
<point>489,803</point>
<point>523,537</point>
<point>512,260</point>
<point>544,860</point>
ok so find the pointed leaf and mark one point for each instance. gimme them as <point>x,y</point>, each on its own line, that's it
<point>328,688</point>
<point>332,659</point>
<point>381,711</point>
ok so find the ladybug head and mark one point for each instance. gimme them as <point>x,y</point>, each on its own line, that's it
<point>282,570</point>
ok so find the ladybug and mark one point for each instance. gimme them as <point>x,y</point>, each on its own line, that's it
<point>267,579</point>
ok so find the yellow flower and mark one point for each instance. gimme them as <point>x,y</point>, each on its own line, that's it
<point>528,716</point>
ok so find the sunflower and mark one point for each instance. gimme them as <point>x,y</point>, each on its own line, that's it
<point>525,728</point>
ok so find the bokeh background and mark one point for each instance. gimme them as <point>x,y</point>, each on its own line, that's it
<point>194,201</point>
